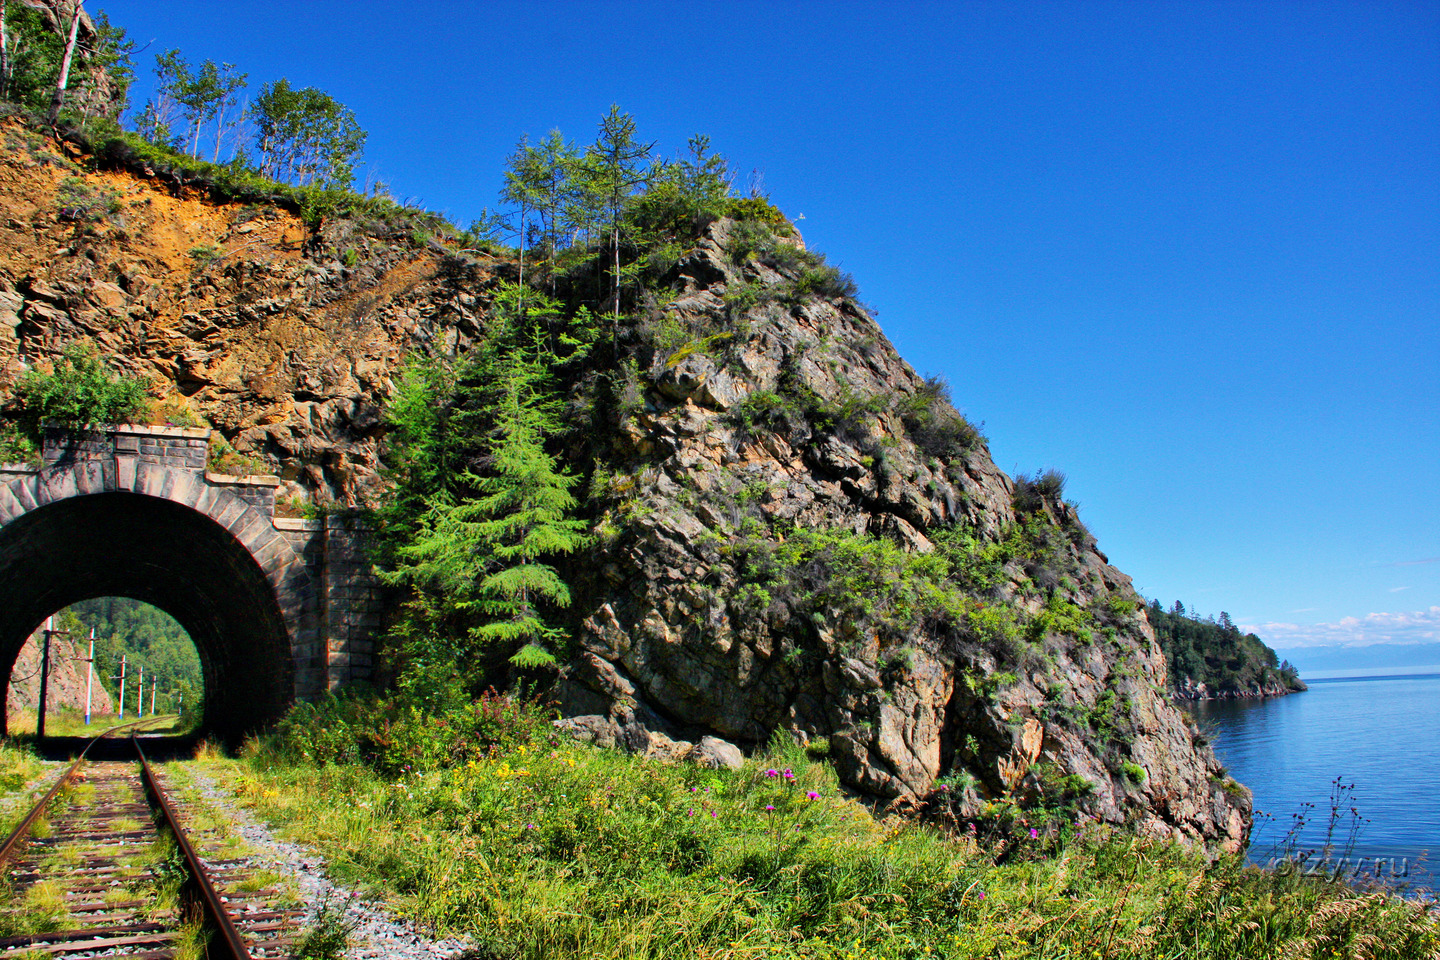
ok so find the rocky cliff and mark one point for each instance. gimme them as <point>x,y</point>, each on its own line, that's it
<point>795,532</point>
<point>67,686</point>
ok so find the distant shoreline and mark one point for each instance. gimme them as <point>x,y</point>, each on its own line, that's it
<point>1376,673</point>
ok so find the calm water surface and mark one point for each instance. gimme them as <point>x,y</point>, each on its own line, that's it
<point>1380,733</point>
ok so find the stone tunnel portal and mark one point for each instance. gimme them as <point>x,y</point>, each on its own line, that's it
<point>168,555</point>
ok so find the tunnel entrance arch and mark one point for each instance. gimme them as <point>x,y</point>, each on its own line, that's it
<point>277,609</point>
<point>167,555</point>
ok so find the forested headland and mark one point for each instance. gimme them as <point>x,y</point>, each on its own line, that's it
<point>1210,658</point>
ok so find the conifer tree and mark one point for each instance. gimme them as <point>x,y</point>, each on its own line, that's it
<point>478,554</point>
<point>617,165</point>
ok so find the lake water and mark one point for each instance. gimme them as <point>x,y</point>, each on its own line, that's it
<point>1381,734</point>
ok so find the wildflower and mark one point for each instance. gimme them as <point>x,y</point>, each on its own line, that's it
<point>713,814</point>
<point>769,806</point>
<point>1034,833</point>
<point>788,775</point>
<point>689,813</point>
<point>772,773</point>
<point>811,795</point>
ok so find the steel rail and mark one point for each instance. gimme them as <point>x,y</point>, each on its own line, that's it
<point>22,831</point>
<point>233,946</point>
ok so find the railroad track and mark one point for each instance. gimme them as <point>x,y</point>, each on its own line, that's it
<point>107,865</point>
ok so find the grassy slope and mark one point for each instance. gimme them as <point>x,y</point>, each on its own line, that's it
<point>548,848</point>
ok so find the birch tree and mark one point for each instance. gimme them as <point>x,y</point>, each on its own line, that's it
<point>58,100</point>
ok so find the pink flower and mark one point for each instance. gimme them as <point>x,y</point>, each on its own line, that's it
<point>769,806</point>
<point>1034,833</point>
<point>811,795</point>
<point>788,774</point>
<point>772,772</point>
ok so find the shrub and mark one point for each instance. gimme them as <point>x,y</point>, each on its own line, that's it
<point>1134,772</point>
<point>81,202</point>
<point>204,254</point>
<point>934,424</point>
<point>759,210</point>
<point>78,392</point>
<point>1031,493</point>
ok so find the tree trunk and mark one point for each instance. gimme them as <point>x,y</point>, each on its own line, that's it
<point>58,100</point>
<point>4,55</point>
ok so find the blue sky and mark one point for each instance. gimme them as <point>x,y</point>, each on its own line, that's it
<point>1187,253</point>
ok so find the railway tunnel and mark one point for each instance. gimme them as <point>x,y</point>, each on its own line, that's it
<point>278,609</point>
<point>167,555</point>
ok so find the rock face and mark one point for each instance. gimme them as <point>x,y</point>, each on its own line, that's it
<point>669,653</point>
<point>795,532</point>
<point>66,689</point>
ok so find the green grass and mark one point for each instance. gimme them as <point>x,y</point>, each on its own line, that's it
<point>553,849</point>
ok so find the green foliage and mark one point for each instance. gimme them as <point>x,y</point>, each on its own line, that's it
<point>328,935</point>
<point>221,457</point>
<point>147,636</point>
<point>78,392</point>
<point>305,136</point>
<point>36,50</point>
<point>835,576</point>
<point>1217,654</point>
<point>934,425</point>
<point>1134,772</point>
<point>542,847</point>
<point>403,732</point>
<point>238,182</point>
<point>16,447</point>
<point>209,94</point>
<point>480,509</point>
<point>759,210</point>
<point>1033,492</point>
<point>204,254</point>
<point>81,202</point>
<point>683,196</point>
<point>1061,616</point>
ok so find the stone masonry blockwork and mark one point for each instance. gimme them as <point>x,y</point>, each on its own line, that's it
<point>314,576</point>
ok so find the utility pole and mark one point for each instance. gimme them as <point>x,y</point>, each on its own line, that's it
<point>140,695</point>
<point>89,676</point>
<point>153,684</point>
<point>121,678</point>
<point>44,678</point>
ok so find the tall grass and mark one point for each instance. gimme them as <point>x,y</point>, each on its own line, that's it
<point>548,848</point>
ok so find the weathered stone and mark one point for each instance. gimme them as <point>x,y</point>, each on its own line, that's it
<point>717,754</point>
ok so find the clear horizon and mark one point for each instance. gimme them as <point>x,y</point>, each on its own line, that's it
<point>1186,253</point>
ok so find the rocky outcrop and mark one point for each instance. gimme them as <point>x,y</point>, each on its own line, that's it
<point>66,689</point>
<point>668,653</point>
<point>1189,690</point>
<point>795,533</point>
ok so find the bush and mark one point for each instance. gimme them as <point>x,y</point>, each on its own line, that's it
<point>1031,493</point>
<point>400,733</point>
<point>77,393</point>
<point>934,425</point>
<point>759,210</point>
